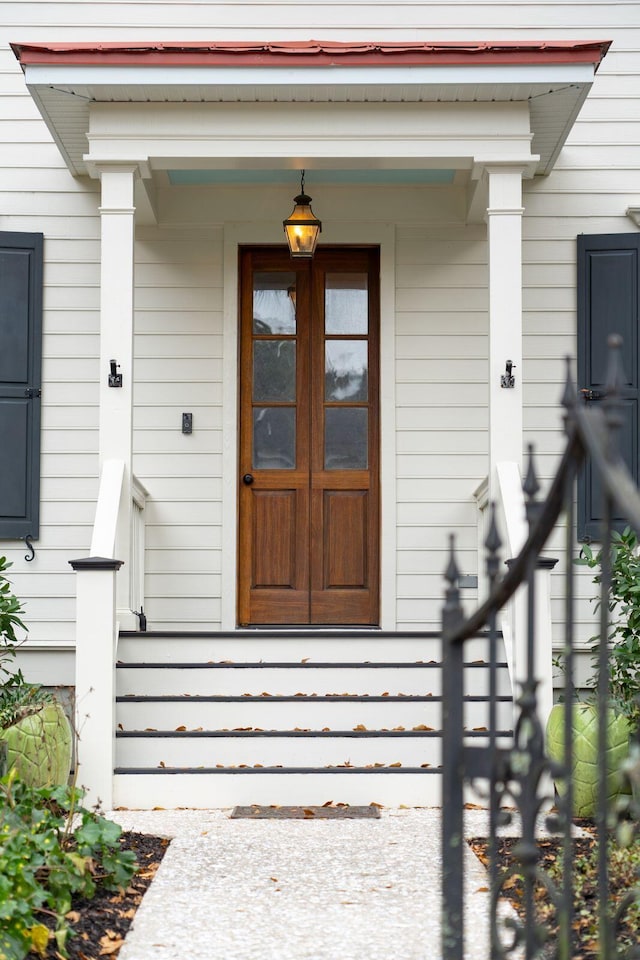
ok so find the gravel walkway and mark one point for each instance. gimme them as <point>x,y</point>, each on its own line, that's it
<point>299,889</point>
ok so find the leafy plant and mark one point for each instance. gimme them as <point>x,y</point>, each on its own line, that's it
<point>18,698</point>
<point>51,849</point>
<point>624,604</point>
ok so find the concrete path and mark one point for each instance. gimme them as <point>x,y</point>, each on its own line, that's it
<point>298,889</point>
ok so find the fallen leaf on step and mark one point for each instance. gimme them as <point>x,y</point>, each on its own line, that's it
<point>306,660</point>
<point>396,764</point>
<point>423,727</point>
<point>181,728</point>
<point>479,729</point>
<point>425,764</point>
<point>328,803</point>
<point>162,763</point>
<point>150,730</point>
<point>265,694</point>
<point>197,729</point>
<point>120,727</point>
<point>309,813</point>
<point>326,729</point>
<point>360,728</point>
<point>385,694</point>
<point>257,766</point>
<point>398,729</point>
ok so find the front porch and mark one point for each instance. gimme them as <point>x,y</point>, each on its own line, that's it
<point>420,152</point>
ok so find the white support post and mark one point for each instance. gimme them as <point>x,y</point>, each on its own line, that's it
<point>117,214</point>
<point>95,676</point>
<point>504,220</point>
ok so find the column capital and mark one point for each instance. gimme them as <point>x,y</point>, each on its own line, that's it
<point>488,166</point>
<point>138,166</point>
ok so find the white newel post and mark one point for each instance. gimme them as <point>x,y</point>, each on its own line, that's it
<point>95,676</point>
<point>117,214</point>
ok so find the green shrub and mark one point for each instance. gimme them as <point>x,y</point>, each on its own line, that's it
<point>624,604</point>
<point>51,849</point>
<point>17,697</point>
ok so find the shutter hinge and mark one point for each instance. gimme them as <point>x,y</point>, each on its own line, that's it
<point>32,392</point>
<point>588,395</point>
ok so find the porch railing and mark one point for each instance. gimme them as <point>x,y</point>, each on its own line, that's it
<point>519,777</point>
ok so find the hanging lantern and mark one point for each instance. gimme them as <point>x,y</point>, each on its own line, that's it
<point>302,227</point>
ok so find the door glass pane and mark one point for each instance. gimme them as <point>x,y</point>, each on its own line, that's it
<point>346,303</point>
<point>274,438</point>
<point>274,370</point>
<point>274,302</point>
<point>345,438</point>
<point>345,370</point>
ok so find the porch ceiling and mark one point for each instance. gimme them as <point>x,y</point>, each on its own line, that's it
<point>554,78</point>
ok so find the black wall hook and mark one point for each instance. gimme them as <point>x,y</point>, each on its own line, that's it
<point>115,378</point>
<point>507,380</point>
<point>29,556</point>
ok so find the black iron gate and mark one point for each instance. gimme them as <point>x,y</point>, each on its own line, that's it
<point>518,776</point>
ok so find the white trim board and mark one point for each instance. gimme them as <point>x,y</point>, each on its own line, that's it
<point>354,233</point>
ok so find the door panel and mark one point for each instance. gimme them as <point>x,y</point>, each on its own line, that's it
<point>309,500</point>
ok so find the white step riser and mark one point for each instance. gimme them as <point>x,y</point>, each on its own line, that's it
<point>271,715</point>
<point>151,681</point>
<point>252,649</point>
<point>206,791</point>
<point>295,752</point>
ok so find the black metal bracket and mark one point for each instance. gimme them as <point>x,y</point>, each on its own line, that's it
<point>142,620</point>
<point>507,380</point>
<point>115,378</point>
<point>29,556</point>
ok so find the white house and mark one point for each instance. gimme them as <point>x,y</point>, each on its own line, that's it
<point>275,449</point>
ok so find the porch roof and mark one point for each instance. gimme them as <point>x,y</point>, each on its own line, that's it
<point>553,77</point>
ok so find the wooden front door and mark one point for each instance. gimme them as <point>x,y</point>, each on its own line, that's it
<point>309,438</point>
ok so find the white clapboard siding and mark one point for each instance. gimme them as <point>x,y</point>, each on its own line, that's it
<point>441,300</point>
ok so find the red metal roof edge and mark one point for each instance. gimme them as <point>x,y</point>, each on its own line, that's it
<point>310,53</point>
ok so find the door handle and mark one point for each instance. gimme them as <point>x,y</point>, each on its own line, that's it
<point>248,479</point>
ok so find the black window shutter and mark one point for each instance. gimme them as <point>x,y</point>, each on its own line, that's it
<point>608,283</point>
<point>20,373</point>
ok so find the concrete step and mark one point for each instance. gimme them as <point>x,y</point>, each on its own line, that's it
<point>250,748</point>
<point>226,789</point>
<point>153,679</point>
<point>282,713</point>
<point>281,646</point>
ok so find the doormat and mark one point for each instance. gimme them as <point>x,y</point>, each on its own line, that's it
<point>339,812</point>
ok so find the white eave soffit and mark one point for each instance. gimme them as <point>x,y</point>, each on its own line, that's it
<point>555,92</point>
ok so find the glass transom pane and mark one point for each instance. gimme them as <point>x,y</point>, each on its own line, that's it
<point>346,303</point>
<point>274,438</point>
<point>274,302</point>
<point>274,370</point>
<point>346,438</point>
<point>345,371</point>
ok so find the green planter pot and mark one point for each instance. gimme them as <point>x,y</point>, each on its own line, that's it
<point>39,747</point>
<point>585,753</point>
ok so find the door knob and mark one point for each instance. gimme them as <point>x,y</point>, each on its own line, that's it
<point>248,479</point>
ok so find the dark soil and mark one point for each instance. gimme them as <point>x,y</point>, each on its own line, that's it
<point>100,924</point>
<point>624,875</point>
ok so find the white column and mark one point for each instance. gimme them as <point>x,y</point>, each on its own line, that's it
<point>117,214</point>
<point>504,220</point>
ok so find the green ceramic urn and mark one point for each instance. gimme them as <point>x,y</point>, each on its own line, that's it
<point>39,746</point>
<point>585,753</point>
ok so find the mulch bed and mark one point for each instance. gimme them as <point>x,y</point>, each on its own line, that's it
<point>101,923</point>
<point>623,877</point>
